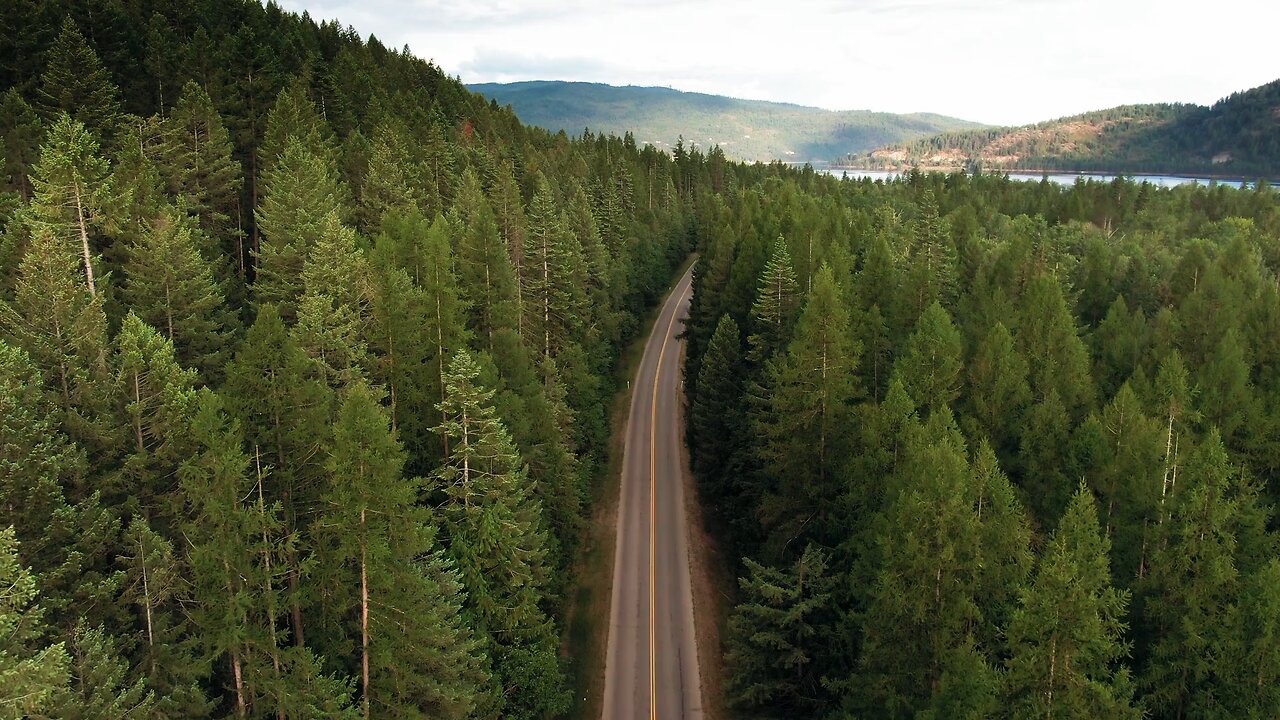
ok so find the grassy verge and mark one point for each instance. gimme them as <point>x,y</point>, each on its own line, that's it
<point>586,627</point>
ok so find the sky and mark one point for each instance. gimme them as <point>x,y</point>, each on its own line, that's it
<point>1002,62</point>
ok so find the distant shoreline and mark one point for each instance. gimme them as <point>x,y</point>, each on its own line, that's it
<point>1061,171</point>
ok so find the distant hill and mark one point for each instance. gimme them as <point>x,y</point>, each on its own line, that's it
<point>745,129</point>
<point>1239,135</point>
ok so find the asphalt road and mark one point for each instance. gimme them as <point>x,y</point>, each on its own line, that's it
<point>652,664</point>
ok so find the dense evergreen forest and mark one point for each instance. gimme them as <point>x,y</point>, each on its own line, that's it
<point>993,449</point>
<point>305,352</point>
<point>1237,136</point>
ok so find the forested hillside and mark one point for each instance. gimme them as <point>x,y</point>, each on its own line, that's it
<point>750,130</point>
<point>304,355</point>
<point>1239,135</point>
<point>993,449</point>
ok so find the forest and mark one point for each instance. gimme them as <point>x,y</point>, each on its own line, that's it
<point>992,449</point>
<point>306,353</point>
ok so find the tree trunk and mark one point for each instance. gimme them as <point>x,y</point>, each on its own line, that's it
<point>364,615</point>
<point>84,243</point>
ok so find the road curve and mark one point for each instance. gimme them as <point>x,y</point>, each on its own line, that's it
<point>651,669</point>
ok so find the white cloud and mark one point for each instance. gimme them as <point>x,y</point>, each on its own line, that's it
<point>998,61</point>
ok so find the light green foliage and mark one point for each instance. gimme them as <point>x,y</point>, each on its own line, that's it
<point>776,302</point>
<point>496,536</point>
<point>931,360</point>
<point>1066,637</point>
<point>33,675</point>
<point>172,288</point>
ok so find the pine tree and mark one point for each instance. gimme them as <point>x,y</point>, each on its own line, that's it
<point>930,362</point>
<point>293,118</point>
<point>777,635</point>
<point>300,192</point>
<point>508,208</point>
<point>1253,660</point>
<point>64,330</point>
<point>204,173</point>
<point>100,687</point>
<point>496,536</point>
<point>32,674</point>
<point>486,277</point>
<point>76,82</point>
<point>333,310</point>
<point>172,288</point>
<point>1066,637</point>
<point>1193,581</point>
<point>804,444</point>
<point>416,656</point>
<point>72,192</point>
<point>775,306</point>
<point>555,277</point>
<point>998,390</point>
<point>715,413</point>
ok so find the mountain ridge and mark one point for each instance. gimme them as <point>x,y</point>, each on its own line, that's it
<point>1238,135</point>
<point>752,130</point>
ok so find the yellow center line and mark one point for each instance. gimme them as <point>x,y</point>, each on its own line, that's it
<point>653,492</point>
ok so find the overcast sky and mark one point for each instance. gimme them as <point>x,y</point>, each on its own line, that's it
<point>994,61</point>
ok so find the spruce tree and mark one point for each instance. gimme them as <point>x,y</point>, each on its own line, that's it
<point>923,603</point>
<point>72,193</point>
<point>497,538</point>
<point>274,390</point>
<point>64,330</point>
<point>775,306</point>
<point>486,276</point>
<point>394,597</point>
<point>1056,357</point>
<point>805,447</point>
<point>778,633</point>
<point>76,82</point>
<point>172,287</point>
<point>1193,581</point>
<point>715,413</point>
<point>100,686</point>
<point>300,192</point>
<point>554,277</point>
<point>998,390</point>
<point>33,675</point>
<point>1066,638</point>
<point>930,362</point>
<point>204,174</point>
<point>333,310</point>
<point>22,132</point>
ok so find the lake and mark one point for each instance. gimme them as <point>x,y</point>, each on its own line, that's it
<point>1058,178</point>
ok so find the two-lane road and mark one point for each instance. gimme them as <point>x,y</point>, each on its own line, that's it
<point>652,666</point>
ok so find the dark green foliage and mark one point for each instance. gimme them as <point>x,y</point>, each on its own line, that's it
<point>905,391</point>
<point>778,633</point>
<point>76,82</point>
